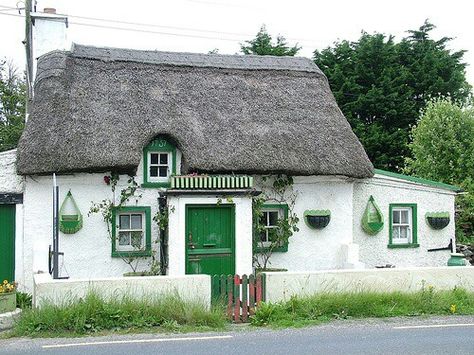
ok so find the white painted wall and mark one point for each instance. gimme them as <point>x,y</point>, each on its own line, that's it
<point>190,288</point>
<point>177,232</point>
<point>280,286</point>
<point>9,180</point>
<point>318,249</point>
<point>373,249</point>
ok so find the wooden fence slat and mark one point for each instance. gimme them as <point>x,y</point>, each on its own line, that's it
<point>251,295</point>
<point>245,305</point>
<point>230,296</point>
<point>259,289</point>
<point>223,287</point>
<point>236,299</point>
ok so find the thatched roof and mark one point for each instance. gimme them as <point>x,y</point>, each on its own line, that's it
<point>96,108</point>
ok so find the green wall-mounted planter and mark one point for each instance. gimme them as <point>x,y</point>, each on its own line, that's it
<point>372,219</point>
<point>71,222</point>
<point>317,219</point>
<point>437,220</point>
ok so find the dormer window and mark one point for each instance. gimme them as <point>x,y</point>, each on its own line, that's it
<point>159,163</point>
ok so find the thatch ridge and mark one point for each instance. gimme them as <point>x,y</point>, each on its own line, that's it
<point>97,113</point>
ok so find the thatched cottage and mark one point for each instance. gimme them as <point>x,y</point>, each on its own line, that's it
<point>182,163</point>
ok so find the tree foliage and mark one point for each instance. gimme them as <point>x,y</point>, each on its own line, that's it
<point>263,44</point>
<point>443,150</point>
<point>381,85</point>
<point>12,106</point>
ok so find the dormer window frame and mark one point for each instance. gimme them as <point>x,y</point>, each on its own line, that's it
<point>161,147</point>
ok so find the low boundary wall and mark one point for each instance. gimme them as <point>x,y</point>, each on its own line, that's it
<point>191,288</point>
<point>280,286</point>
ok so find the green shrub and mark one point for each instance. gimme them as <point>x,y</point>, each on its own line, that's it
<point>23,300</point>
<point>94,314</point>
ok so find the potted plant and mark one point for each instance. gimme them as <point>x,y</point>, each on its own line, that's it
<point>317,219</point>
<point>437,220</point>
<point>7,296</point>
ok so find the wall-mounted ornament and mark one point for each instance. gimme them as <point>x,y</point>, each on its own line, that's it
<point>372,219</point>
<point>437,220</point>
<point>70,217</point>
<point>317,219</point>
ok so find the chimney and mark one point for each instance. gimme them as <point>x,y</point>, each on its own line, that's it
<point>48,34</point>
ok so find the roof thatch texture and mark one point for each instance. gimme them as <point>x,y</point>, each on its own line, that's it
<point>96,108</point>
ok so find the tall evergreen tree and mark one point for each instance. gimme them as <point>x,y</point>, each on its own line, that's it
<point>263,44</point>
<point>381,85</point>
<point>12,106</point>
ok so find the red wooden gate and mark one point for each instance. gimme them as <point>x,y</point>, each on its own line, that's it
<point>241,294</point>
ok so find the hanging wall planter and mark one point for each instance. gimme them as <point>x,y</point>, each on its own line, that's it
<point>71,222</point>
<point>437,220</point>
<point>317,219</point>
<point>372,219</point>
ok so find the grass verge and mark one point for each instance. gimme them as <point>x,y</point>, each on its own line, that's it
<point>328,306</point>
<point>95,315</point>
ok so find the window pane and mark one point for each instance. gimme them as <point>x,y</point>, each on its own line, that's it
<point>137,239</point>
<point>273,218</point>
<point>163,171</point>
<point>164,159</point>
<point>263,219</point>
<point>404,232</point>
<point>154,171</point>
<point>396,217</point>
<point>154,158</point>
<point>404,216</point>
<point>395,232</point>
<point>136,221</point>
<point>124,221</point>
<point>124,238</point>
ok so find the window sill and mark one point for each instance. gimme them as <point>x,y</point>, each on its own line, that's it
<point>401,246</point>
<point>155,184</point>
<point>128,254</point>
<point>282,249</point>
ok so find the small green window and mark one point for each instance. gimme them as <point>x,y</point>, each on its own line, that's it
<point>131,232</point>
<point>159,163</point>
<point>271,215</point>
<point>403,226</point>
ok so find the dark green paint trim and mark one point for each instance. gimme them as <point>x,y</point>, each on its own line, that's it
<point>402,246</point>
<point>418,180</point>
<point>283,248</point>
<point>157,145</point>
<point>414,216</point>
<point>138,253</point>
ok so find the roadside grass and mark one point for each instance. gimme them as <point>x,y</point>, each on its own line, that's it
<point>323,307</point>
<point>95,315</point>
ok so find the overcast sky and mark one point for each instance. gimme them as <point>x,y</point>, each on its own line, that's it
<point>203,25</point>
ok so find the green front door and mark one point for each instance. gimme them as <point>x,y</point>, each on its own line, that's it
<point>7,242</point>
<point>210,239</point>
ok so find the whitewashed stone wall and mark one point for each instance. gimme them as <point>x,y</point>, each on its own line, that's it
<point>319,249</point>
<point>373,249</point>
<point>190,288</point>
<point>9,180</point>
<point>280,286</point>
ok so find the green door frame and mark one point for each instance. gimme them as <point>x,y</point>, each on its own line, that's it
<point>10,274</point>
<point>232,230</point>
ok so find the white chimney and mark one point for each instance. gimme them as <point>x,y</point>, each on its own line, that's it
<point>49,33</point>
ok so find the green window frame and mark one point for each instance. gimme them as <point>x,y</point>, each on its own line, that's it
<point>411,225</point>
<point>158,145</point>
<point>146,221</point>
<point>282,209</point>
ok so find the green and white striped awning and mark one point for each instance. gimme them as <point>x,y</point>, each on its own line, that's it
<point>209,182</point>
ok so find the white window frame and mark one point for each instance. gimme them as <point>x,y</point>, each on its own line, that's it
<point>130,247</point>
<point>281,215</point>
<point>400,225</point>
<point>169,165</point>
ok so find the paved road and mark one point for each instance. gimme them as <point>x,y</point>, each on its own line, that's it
<point>440,335</point>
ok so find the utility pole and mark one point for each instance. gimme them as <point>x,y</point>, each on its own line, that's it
<point>29,56</point>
